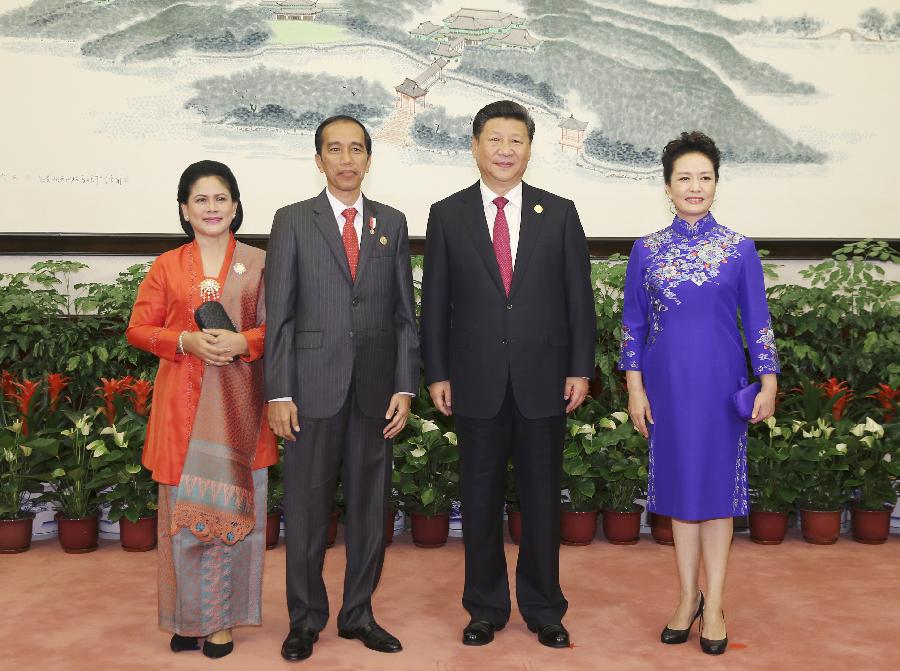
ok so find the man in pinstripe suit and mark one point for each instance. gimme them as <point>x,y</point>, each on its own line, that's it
<point>342,365</point>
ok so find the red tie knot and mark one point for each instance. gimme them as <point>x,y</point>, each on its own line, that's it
<point>349,214</point>
<point>500,202</point>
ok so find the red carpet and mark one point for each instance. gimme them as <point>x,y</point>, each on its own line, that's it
<point>790,607</point>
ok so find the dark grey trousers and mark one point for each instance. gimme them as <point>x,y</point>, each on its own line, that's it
<point>352,445</point>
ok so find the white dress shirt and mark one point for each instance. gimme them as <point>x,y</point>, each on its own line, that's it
<point>513,210</point>
<point>339,208</point>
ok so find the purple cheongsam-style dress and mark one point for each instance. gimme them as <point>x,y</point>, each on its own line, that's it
<point>683,289</point>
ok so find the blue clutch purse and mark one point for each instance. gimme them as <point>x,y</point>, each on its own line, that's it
<point>744,397</point>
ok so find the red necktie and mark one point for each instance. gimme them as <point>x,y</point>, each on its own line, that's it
<point>351,242</point>
<point>501,243</point>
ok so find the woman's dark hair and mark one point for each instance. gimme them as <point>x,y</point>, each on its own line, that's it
<point>208,169</point>
<point>367,139</point>
<point>689,143</point>
<point>505,109</point>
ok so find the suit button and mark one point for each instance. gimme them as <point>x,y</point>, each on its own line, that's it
<point>504,342</point>
<point>355,301</point>
<point>509,306</point>
<point>351,334</point>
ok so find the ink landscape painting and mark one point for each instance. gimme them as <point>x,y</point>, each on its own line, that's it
<point>108,100</point>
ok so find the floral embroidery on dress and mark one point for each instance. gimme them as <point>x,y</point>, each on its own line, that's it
<point>739,501</point>
<point>625,350</point>
<point>651,477</point>
<point>768,357</point>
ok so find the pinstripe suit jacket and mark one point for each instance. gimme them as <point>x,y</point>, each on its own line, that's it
<point>324,329</point>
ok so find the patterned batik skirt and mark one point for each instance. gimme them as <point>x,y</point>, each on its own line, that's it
<point>205,587</point>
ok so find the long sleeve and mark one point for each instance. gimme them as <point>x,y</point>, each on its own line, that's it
<point>755,314</point>
<point>582,315</point>
<point>435,303</point>
<point>280,300</point>
<point>406,374</point>
<point>634,314</point>
<point>146,328</point>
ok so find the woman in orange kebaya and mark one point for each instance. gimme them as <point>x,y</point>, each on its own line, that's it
<point>207,443</point>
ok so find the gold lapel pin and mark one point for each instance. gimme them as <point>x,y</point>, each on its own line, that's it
<point>538,208</point>
<point>372,224</point>
<point>383,240</point>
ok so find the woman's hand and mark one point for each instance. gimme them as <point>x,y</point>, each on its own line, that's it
<point>638,403</point>
<point>764,403</point>
<point>212,348</point>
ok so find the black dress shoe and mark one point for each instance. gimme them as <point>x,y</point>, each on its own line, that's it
<point>298,644</point>
<point>183,643</point>
<point>374,637</point>
<point>552,635</point>
<point>673,636</point>
<point>480,632</point>
<point>710,646</point>
<point>216,650</point>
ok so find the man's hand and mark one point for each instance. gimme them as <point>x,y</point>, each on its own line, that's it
<point>575,391</point>
<point>283,418</point>
<point>397,414</point>
<point>440,396</point>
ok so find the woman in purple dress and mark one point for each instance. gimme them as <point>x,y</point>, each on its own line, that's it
<point>683,359</point>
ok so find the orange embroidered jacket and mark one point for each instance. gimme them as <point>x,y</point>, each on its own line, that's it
<point>165,306</point>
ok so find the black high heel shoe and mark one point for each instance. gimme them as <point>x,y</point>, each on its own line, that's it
<point>183,643</point>
<point>674,636</point>
<point>713,647</point>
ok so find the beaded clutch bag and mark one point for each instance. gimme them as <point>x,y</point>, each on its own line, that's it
<point>211,315</point>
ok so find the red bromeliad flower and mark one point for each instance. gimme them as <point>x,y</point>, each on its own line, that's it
<point>832,387</point>
<point>8,382</point>
<point>26,391</point>
<point>888,398</point>
<point>141,400</point>
<point>110,391</point>
<point>56,384</point>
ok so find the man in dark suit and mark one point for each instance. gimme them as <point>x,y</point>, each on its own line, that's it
<point>508,333</point>
<point>342,365</point>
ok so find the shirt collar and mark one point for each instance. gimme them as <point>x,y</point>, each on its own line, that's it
<point>339,207</point>
<point>700,226</point>
<point>514,195</point>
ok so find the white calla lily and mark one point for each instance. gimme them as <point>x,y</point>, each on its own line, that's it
<point>887,457</point>
<point>26,450</point>
<point>428,426</point>
<point>874,427</point>
<point>451,438</point>
<point>418,453</point>
<point>841,448</point>
<point>606,423</point>
<point>620,416</point>
<point>16,427</point>
<point>858,430</point>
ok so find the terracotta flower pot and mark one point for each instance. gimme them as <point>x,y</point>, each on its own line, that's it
<point>273,529</point>
<point>820,527</point>
<point>138,536</point>
<point>78,535</point>
<point>622,528</point>
<point>332,528</point>
<point>578,528</point>
<point>661,528</point>
<point>514,524</point>
<point>430,532</point>
<point>767,528</point>
<point>870,526</point>
<point>15,535</point>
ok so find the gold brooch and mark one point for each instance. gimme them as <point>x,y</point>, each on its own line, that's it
<point>538,208</point>
<point>209,290</point>
<point>240,268</point>
<point>383,240</point>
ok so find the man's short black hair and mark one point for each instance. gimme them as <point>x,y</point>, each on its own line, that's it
<point>505,109</point>
<point>342,117</point>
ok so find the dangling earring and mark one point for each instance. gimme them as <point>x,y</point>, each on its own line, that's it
<point>671,204</point>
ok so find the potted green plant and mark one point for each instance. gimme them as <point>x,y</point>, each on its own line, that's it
<point>580,474</point>
<point>623,474</point>
<point>427,478</point>
<point>21,462</point>
<point>132,497</point>
<point>77,480</point>
<point>821,470</point>
<point>513,512</point>
<point>874,472</point>
<point>275,499</point>
<point>773,487</point>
